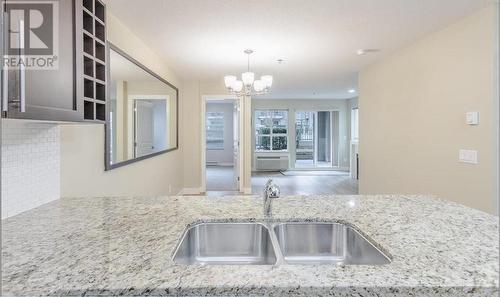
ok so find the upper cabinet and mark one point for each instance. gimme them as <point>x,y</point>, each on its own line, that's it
<point>93,57</point>
<point>56,67</point>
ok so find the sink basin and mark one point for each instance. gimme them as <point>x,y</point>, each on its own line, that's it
<point>294,243</point>
<point>226,244</point>
<point>326,243</point>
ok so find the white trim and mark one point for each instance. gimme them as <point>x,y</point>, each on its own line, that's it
<point>204,100</point>
<point>247,191</point>
<point>203,158</point>
<point>243,141</point>
<point>319,169</point>
<point>130,114</point>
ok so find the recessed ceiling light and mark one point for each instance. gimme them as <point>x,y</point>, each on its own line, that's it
<point>352,91</point>
<point>280,61</point>
<point>364,51</point>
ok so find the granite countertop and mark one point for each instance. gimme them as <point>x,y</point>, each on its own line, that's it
<point>123,246</point>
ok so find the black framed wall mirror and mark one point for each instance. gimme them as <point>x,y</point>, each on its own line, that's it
<point>142,112</point>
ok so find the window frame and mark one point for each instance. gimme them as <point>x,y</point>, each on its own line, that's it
<point>206,130</point>
<point>271,134</point>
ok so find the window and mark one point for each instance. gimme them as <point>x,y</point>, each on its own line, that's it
<point>271,130</point>
<point>215,130</point>
<point>354,124</point>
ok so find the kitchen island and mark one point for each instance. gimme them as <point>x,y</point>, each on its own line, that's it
<point>124,246</point>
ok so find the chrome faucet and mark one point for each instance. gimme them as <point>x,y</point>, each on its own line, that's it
<point>271,191</point>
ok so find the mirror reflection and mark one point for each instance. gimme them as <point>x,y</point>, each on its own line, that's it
<point>142,113</point>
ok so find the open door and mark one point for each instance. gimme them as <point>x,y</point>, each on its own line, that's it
<point>221,157</point>
<point>236,144</point>
<point>317,134</point>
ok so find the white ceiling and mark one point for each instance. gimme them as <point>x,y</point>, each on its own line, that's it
<point>204,39</point>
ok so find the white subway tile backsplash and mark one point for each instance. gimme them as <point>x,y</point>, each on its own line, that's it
<point>30,165</point>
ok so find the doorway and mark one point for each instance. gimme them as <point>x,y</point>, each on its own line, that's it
<point>150,122</point>
<point>221,146</point>
<point>316,142</point>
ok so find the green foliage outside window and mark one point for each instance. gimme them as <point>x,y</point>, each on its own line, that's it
<point>264,130</point>
<point>271,130</point>
<point>265,143</point>
<point>299,129</point>
<point>279,143</point>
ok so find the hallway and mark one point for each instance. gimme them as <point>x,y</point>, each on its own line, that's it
<point>307,182</point>
<point>220,179</point>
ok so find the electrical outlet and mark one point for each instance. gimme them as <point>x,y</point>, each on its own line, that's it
<point>472,118</point>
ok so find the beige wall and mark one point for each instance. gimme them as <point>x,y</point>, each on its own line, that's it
<point>412,116</point>
<point>82,146</point>
<point>292,105</point>
<point>191,138</point>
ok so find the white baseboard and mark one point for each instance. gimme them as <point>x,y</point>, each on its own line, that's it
<point>189,191</point>
<point>320,169</point>
<point>222,164</point>
<point>197,191</point>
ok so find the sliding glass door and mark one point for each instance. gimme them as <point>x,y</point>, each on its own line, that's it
<point>324,139</point>
<point>316,135</point>
<point>304,138</point>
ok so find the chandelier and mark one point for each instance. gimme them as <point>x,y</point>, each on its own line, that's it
<point>248,85</point>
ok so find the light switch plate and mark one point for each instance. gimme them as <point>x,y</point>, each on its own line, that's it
<point>467,156</point>
<point>472,118</point>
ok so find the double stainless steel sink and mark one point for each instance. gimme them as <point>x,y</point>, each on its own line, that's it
<point>276,243</point>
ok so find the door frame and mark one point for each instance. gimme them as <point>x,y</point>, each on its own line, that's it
<point>204,100</point>
<point>136,123</point>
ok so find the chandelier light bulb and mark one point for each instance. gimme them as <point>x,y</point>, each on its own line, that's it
<point>267,80</point>
<point>258,86</point>
<point>248,85</point>
<point>237,86</point>
<point>248,78</point>
<point>229,80</point>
